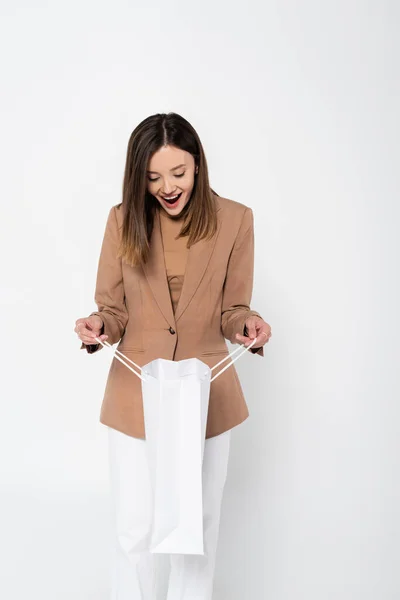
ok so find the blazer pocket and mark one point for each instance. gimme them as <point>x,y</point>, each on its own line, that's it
<point>215,353</point>
<point>134,349</point>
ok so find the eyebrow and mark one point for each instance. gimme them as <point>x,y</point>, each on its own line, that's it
<point>173,169</point>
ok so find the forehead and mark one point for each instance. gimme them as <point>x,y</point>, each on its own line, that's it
<point>168,157</point>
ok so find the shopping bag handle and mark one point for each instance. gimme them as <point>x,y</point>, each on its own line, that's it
<point>241,347</point>
<point>118,355</point>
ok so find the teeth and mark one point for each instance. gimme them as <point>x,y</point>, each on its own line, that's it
<point>170,197</point>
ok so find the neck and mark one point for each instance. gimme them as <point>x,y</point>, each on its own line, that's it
<point>177,217</point>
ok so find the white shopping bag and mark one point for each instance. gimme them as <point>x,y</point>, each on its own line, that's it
<point>175,403</point>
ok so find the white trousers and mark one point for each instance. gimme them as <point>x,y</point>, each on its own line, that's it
<point>134,572</point>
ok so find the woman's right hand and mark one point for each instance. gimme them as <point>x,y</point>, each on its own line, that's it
<point>89,328</point>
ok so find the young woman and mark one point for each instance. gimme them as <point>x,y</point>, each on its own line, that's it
<point>174,280</point>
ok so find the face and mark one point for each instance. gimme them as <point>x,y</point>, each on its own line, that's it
<point>170,173</point>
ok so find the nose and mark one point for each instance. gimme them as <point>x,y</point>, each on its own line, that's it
<point>168,187</point>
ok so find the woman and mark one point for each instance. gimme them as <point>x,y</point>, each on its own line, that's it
<point>174,280</point>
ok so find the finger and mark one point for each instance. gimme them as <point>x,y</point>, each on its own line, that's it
<point>89,340</point>
<point>79,324</point>
<point>83,332</point>
<point>244,340</point>
<point>263,338</point>
<point>84,325</point>
<point>251,329</point>
<point>266,336</point>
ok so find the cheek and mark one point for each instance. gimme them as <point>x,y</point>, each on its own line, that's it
<point>188,185</point>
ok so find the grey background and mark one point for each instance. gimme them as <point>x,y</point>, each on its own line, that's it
<point>297,107</point>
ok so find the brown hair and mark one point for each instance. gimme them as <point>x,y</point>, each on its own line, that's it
<point>139,206</point>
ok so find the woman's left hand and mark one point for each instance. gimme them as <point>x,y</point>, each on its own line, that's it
<point>256,327</point>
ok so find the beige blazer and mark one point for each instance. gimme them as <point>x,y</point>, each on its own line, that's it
<point>136,308</point>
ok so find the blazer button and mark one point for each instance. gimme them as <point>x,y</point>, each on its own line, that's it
<point>171,330</point>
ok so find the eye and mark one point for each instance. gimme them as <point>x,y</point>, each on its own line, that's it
<point>156,178</point>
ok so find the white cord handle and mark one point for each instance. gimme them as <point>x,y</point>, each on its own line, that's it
<point>118,355</point>
<point>245,348</point>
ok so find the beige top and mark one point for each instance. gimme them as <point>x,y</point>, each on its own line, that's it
<point>175,254</point>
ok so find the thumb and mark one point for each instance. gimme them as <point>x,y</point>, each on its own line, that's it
<point>92,324</point>
<point>251,328</point>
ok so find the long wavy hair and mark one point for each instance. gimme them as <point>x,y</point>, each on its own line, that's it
<point>139,206</point>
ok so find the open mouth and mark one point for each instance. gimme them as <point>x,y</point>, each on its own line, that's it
<point>172,199</point>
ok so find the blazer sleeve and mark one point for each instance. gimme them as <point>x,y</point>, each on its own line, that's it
<point>238,285</point>
<point>110,293</point>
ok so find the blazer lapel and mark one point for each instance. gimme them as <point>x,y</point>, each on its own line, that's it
<point>156,273</point>
<point>199,256</point>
